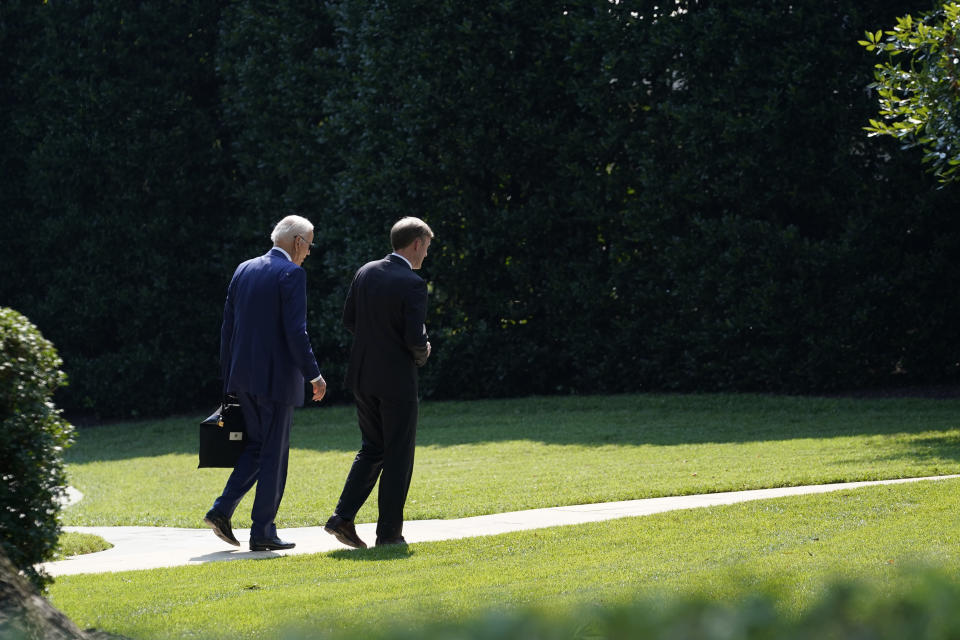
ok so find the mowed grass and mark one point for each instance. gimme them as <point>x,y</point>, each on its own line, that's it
<point>76,544</point>
<point>789,547</point>
<point>491,456</point>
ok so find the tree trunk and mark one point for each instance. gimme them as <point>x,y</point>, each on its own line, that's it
<point>26,615</point>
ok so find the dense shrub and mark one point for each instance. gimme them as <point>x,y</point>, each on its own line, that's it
<point>625,198</point>
<point>117,239</point>
<point>32,438</point>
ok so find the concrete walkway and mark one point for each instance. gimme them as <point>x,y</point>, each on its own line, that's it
<point>154,547</point>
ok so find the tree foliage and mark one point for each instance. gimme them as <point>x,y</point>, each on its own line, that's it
<point>625,197</point>
<point>919,92</point>
<point>123,195</point>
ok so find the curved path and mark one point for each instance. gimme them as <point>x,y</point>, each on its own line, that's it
<point>154,547</point>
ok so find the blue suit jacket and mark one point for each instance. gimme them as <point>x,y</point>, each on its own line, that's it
<point>264,347</point>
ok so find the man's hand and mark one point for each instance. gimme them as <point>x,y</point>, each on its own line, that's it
<point>319,389</point>
<point>428,348</point>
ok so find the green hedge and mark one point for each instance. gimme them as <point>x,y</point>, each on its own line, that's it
<point>623,201</point>
<point>32,439</point>
<point>119,238</point>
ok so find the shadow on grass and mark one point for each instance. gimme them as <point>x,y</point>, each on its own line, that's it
<point>590,420</point>
<point>233,554</point>
<point>374,554</point>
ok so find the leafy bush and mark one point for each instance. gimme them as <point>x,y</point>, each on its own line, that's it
<point>627,201</point>
<point>32,438</point>
<point>115,242</point>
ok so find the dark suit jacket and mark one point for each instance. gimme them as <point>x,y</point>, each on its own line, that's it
<point>264,347</point>
<point>385,311</point>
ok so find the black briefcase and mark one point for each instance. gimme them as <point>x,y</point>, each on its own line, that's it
<point>223,436</point>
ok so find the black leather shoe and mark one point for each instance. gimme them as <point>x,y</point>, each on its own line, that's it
<point>391,541</point>
<point>344,531</point>
<point>221,526</point>
<point>270,544</point>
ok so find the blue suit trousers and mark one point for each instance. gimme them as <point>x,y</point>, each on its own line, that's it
<point>263,462</point>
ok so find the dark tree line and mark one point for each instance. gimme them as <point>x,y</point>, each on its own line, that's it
<point>624,198</point>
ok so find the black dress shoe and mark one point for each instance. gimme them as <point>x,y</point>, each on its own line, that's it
<point>344,531</point>
<point>221,526</point>
<point>270,544</point>
<point>386,542</point>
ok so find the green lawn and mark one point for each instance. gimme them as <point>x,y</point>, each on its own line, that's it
<point>483,457</point>
<point>75,544</point>
<point>790,546</point>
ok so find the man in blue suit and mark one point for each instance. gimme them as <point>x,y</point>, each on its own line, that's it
<point>265,356</point>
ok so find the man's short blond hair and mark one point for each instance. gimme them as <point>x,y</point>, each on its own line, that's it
<point>406,230</point>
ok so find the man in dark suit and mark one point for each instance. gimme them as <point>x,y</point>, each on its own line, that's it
<point>265,356</point>
<point>385,311</point>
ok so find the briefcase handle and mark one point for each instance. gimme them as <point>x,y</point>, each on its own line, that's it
<point>229,400</point>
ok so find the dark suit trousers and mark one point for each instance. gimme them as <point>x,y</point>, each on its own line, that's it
<point>388,428</point>
<point>263,462</point>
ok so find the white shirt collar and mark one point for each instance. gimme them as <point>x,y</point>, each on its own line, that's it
<point>402,258</point>
<point>280,249</point>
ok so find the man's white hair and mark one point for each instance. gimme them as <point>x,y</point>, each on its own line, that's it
<point>291,226</point>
